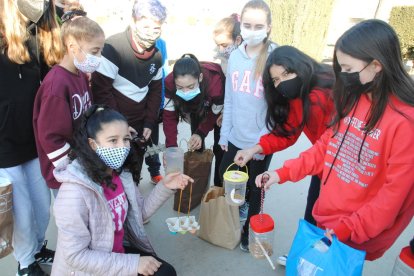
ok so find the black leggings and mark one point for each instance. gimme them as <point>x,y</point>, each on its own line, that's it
<point>313,195</point>
<point>218,154</point>
<point>165,269</point>
<point>255,167</point>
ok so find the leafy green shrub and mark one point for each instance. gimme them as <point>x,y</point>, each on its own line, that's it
<point>301,23</point>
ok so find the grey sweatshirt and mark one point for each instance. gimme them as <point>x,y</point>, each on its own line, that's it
<point>244,103</point>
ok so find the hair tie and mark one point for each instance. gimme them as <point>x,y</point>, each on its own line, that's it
<point>236,16</point>
<point>72,15</point>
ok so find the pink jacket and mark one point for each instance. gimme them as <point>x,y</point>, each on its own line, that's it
<point>86,229</point>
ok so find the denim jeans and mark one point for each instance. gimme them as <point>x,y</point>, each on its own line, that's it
<point>31,209</point>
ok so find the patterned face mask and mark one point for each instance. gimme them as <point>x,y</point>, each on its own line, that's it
<point>146,40</point>
<point>89,65</point>
<point>225,53</point>
<point>113,157</point>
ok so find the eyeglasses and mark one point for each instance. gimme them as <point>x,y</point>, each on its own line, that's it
<point>69,15</point>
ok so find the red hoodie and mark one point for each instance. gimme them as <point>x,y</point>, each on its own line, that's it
<point>215,78</point>
<point>320,115</point>
<point>367,203</point>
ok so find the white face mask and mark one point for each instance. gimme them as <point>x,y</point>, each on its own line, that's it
<point>89,65</point>
<point>253,38</point>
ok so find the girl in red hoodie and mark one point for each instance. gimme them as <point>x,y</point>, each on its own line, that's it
<point>298,93</point>
<point>367,192</point>
<point>194,91</point>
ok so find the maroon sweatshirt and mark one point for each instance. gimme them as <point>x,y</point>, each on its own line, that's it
<point>59,104</point>
<point>213,102</point>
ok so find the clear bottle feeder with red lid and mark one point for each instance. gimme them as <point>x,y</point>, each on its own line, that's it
<point>261,231</point>
<point>261,235</point>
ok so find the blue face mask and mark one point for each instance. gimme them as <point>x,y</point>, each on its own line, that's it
<point>189,95</point>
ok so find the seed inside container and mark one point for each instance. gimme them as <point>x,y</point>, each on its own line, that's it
<point>257,252</point>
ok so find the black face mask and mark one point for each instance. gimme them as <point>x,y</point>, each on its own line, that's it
<point>290,89</point>
<point>353,83</point>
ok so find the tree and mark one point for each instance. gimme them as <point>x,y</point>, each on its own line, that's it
<point>402,20</point>
<point>301,23</point>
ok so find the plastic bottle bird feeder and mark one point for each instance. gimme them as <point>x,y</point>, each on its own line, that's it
<point>261,231</point>
<point>235,186</point>
<point>261,235</point>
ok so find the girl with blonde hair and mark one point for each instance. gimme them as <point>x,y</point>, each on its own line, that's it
<point>29,45</point>
<point>244,103</point>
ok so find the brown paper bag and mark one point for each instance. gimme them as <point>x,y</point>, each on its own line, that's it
<point>219,222</point>
<point>6,218</point>
<point>197,165</point>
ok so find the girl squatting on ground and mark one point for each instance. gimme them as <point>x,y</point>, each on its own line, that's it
<point>99,210</point>
<point>367,191</point>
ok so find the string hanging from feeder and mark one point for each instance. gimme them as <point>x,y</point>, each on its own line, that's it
<point>265,178</point>
<point>189,201</point>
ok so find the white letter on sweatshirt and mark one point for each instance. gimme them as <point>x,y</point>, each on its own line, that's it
<point>245,85</point>
<point>259,88</point>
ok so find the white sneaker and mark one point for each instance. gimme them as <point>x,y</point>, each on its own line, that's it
<point>282,260</point>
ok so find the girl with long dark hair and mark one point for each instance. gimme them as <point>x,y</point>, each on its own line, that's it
<point>99,209</point>
<point>194,92</point>
<point>366,161</point>
<point>298,93</point>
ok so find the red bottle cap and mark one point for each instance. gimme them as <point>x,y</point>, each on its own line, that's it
<point>262,223</point>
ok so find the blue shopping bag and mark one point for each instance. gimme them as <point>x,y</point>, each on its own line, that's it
<point>312,254</point>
